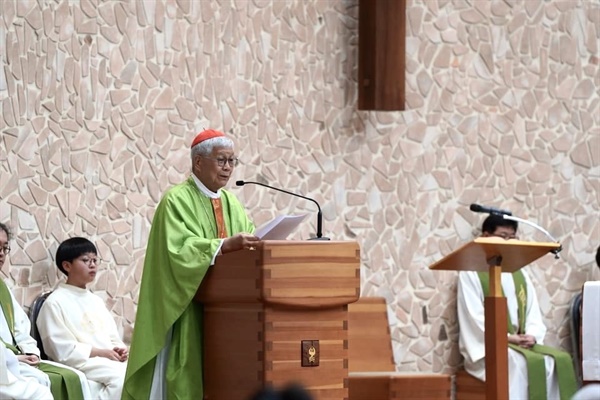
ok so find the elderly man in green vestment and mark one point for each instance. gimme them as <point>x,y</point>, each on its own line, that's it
<point>194,223</point>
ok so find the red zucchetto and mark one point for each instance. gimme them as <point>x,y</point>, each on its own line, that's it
<point>205,135</point>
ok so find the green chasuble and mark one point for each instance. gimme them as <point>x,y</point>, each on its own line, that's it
<point>182,242</point>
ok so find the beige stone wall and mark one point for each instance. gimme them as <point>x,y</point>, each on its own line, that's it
<point>100,100</point>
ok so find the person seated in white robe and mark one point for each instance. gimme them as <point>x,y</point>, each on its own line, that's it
<point>532,370</point>
<point>590,326</point>
<point>13,385</point>
<point>23,375</point>
<point>75,326</point>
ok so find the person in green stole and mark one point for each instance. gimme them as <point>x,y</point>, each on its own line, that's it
<point>535,371</point>
<point>194,223</point>
<point>23,374</point>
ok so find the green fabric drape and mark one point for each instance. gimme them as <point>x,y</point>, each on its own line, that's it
<point>64,383</point>
<point>567,381</point>
<point>536,372</point>
<point>7,305</point>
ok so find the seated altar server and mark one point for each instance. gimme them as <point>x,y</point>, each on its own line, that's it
<point>75,326</point>
<point>590,330</point>
<point>13,385</point>
<point>535,371</point>
<point>22,374</point>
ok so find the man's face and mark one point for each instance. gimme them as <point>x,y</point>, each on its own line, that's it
<point>505,232</point>
<point>207,168</point>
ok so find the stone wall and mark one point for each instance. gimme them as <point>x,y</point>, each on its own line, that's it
<point>100,100</point>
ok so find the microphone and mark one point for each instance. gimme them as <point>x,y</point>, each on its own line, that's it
<point>319,214</point>
<point>489,210</point>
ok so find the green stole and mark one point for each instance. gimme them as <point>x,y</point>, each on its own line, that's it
<point>536,366</point>
<point>64,383</point>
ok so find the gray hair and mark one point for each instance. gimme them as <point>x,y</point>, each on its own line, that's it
<point>206,147</point>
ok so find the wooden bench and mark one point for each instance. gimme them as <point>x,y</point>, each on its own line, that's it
<point>468,387</point>
<point>371,366</point>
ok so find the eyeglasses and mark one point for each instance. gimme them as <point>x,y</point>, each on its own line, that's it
<point>506,236</point>
<point>233,161</point>
<point>5,249</point>
<point>88,261</point>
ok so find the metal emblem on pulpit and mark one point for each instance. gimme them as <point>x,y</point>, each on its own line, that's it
<point>309,353</point>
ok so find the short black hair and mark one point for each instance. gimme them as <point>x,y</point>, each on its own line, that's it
<point>72,248</point>
<point>494,221</point>
<point>293,391</point>
<point>598,256</point>
<point>5,228</point>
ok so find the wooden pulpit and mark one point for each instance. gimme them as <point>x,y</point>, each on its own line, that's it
<point>277,315</point>
<point>495,255</point>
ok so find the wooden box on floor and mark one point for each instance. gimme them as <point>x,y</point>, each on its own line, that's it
<point>268,311</point>
<point>371,361</point>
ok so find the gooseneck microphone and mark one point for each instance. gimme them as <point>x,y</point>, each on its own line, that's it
<point>508,215</point>
<point>319,214</point>
<point>489,210</point>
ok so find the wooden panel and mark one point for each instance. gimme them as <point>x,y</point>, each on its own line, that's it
<point>281,348</point>
<point>253,338</point>
<point>331,250</point>
<point>381,54</point>
<point>285,329</point>
<point>248,346</point>
<point>371,361</point>
<point>301,274</point>
<point>369,339</point>
<point>369,387</point>
<point>398,385</point>
<point>421,386</point>
<point>468,387</point>
<point>329,394</point>
<point>295,270</point>
<point>315,274</point>
<point>233,350</point>
<point>496,349</point>
<point>235,278</point>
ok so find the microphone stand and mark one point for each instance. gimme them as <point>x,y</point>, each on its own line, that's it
<point>319,235</point>
<point>539,228</point>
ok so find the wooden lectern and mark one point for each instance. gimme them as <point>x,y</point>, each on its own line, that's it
<point>495,255</point>
<point>277,315</point>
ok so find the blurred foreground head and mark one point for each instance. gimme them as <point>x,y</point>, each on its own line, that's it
<point>292,391</point>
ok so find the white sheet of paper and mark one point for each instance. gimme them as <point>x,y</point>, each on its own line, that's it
<point>279,228</point>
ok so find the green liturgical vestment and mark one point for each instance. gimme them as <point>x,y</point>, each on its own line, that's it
<point>182,242</point>
<point>534,356</point>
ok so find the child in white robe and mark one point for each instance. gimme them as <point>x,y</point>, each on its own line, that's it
<point>75,326</point>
